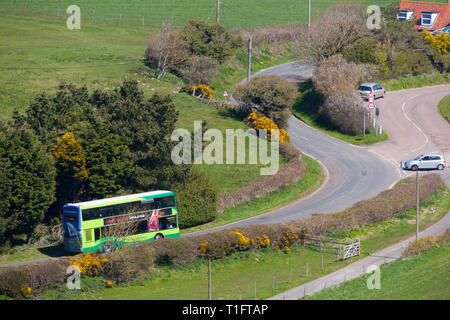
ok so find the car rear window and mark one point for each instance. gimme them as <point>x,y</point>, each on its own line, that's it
<point>364,88</point>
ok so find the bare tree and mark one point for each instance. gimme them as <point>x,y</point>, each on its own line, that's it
<point>337,27</point>
<point>200,70</point>
<point>167,51</point>
<point>119,228</point>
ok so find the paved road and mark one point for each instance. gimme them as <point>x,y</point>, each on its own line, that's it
<point>352,173</point>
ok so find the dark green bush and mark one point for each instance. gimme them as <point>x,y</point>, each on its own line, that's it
<point>196,200</point>
<point>361,51</point>
<point>209,39</point>
<point>410,63</point>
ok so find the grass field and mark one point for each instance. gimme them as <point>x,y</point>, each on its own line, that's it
<point>423,277</point>
<point>444,108</point>
<point>235,276</point>
<point>233,13</point>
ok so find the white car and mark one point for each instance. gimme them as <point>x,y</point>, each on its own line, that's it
<point>426,161</point>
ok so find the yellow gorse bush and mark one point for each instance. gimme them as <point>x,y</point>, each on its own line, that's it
<point>260,122</point>
<point>89,263</point>
<point>245,242</point>
<point>289,238</point>
<point>202,89</point>
<point>440,41</point>
<point>203,248</point>
<point>26,291</point>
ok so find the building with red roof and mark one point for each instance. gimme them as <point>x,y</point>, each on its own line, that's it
<point>427,15</point>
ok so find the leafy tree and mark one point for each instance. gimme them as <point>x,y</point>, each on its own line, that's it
<point>145,126</point>
<point>27,182</point>
<point>196,200</point>
<point>361,51</point>
<point>210,39</point>
<point>71,166</point>
<point>108,162</point>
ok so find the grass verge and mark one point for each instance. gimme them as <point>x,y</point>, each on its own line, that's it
<point>422,277</point>
<point>444,108</point>
<point>432,79</point>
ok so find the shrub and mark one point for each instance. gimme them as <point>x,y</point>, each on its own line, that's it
<point>346,112</point>
<point>259,122</point>
<point>13,280</point>
<point>419,246</point>
<point>410,63</point>
<point>196,200</point>
<point>130,262</point>
<point>337,27</point>
<point>440,42</point>
<point>199,70</point>
<point>272,96</point>
<point>289,152</point>
<point>90,263</point>
<point>209,39</point>
<point>201,90</point>
<point>361,51</point>
<point>47,274</point>
<point>335,75</point>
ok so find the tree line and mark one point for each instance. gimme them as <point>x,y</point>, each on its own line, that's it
<point>75,146</point>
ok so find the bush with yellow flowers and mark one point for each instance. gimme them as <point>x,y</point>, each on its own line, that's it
<point>245,242</point>
<point>440,41</point>
<point>259,122</point>
<point>201,90</point>
<point>288,239</point>
<point>263,241</point>
<point>26,291</point>
<point>89,263</point>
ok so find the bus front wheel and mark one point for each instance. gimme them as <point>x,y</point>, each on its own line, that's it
<point>159,236</point>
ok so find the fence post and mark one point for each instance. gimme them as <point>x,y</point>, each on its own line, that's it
<point>290,275</point>
<point>255,290</point>
<point>307,269</point>
<point>273,281</point>
<point>322,264</point>
<point>143,21</point>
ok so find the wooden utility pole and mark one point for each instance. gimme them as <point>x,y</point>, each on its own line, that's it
<point>417,204</point>
<point>309,14</point>
<point>209,279</point>
<point>249,68</point>
<point>218,12</point>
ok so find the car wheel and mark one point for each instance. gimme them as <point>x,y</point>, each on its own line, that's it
<point>440,167</point>
<point>415,167</point>
<point>159,236</point>
<point>384,93</point>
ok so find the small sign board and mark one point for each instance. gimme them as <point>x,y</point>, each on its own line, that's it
<point>225,94</point>
<point>371,99</point>
<point>371,106</point>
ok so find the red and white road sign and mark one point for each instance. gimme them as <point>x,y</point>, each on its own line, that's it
<point>371,99</point>
<point>225,94</point>
<point>371,106</point>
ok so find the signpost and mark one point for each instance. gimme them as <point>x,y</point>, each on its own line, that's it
<point>225,95</point>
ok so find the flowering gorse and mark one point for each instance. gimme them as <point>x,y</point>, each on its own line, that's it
<point>89,263</point>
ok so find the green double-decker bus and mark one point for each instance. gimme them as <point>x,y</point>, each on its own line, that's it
<point>86,225</point>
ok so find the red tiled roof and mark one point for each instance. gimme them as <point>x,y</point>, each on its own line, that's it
<point>418,7</point>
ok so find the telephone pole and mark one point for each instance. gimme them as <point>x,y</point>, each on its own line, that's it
<point>417,204</point>
<point>218,12</point>
<point>309,14</point>
<point>249,68</point>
